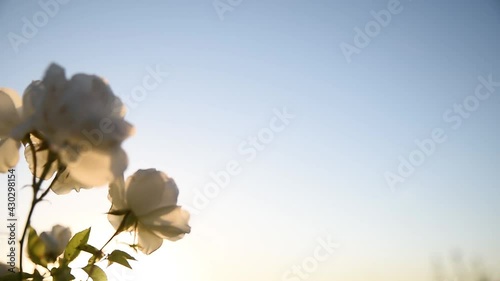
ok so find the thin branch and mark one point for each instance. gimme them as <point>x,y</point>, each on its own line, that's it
<point>35,200</point>
<point>118,231</point>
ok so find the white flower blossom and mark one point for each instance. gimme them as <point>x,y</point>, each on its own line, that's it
<point>147,204</point>
<point>55,241</point>
<point>81,121</point>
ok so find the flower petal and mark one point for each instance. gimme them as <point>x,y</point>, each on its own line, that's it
<point>41,159</point>
<point>54,81</point>
<point>55,241</point>
<point>168,223</point>
<point>10,107</point>
<point>148,241</point>
<point>66,183</point>
<point>150,190</point>
<point>115,220</point>
<point>9,154</point>
<point>62,235</point>
<point>22,129</point>
<point>32,98</point>
<point>51,246</point>
<point>117,194</point>
<point>96,167</point>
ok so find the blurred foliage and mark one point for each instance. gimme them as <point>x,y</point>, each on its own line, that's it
<point>457,267</point>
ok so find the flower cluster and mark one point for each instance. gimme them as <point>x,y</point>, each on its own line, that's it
<point>72,130</point>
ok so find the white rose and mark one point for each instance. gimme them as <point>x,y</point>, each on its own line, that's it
<point>55,241</point>
<point>82,122</point>
<point>147,204</point>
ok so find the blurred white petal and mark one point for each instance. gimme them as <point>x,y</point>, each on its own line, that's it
<point>168,223</point>
<point>55,241</point>
<point>41,159</point>
<point>148,241</point>
<point>66,183</point>
<point>9,154</point>
<point>96,168</point>
<point>149,190</point>
<point>10,106</point>
<point>117,194</point>
<point>63,234</point>
<point>32,98</point>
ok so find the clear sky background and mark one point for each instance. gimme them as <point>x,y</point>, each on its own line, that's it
<point>321,176</point>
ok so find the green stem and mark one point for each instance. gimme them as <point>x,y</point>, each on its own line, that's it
<point>35,201</point>
<point>21,242</point>
<point>119,230</point>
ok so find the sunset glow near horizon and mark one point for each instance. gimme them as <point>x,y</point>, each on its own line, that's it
<point>290,127</point>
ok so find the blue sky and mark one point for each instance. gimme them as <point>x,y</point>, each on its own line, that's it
<point>324,173</point>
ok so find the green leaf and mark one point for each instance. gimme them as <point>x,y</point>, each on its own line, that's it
<point>120,257</point>
<point>95,272</point>
<point>97,254</point>
<point>73,248</point>
<point>36,248</point>
<point>92,250</point>
<point>123,254</point>
<point>62,273</point>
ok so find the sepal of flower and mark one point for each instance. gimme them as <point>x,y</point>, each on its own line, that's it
<point>128,222</point>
